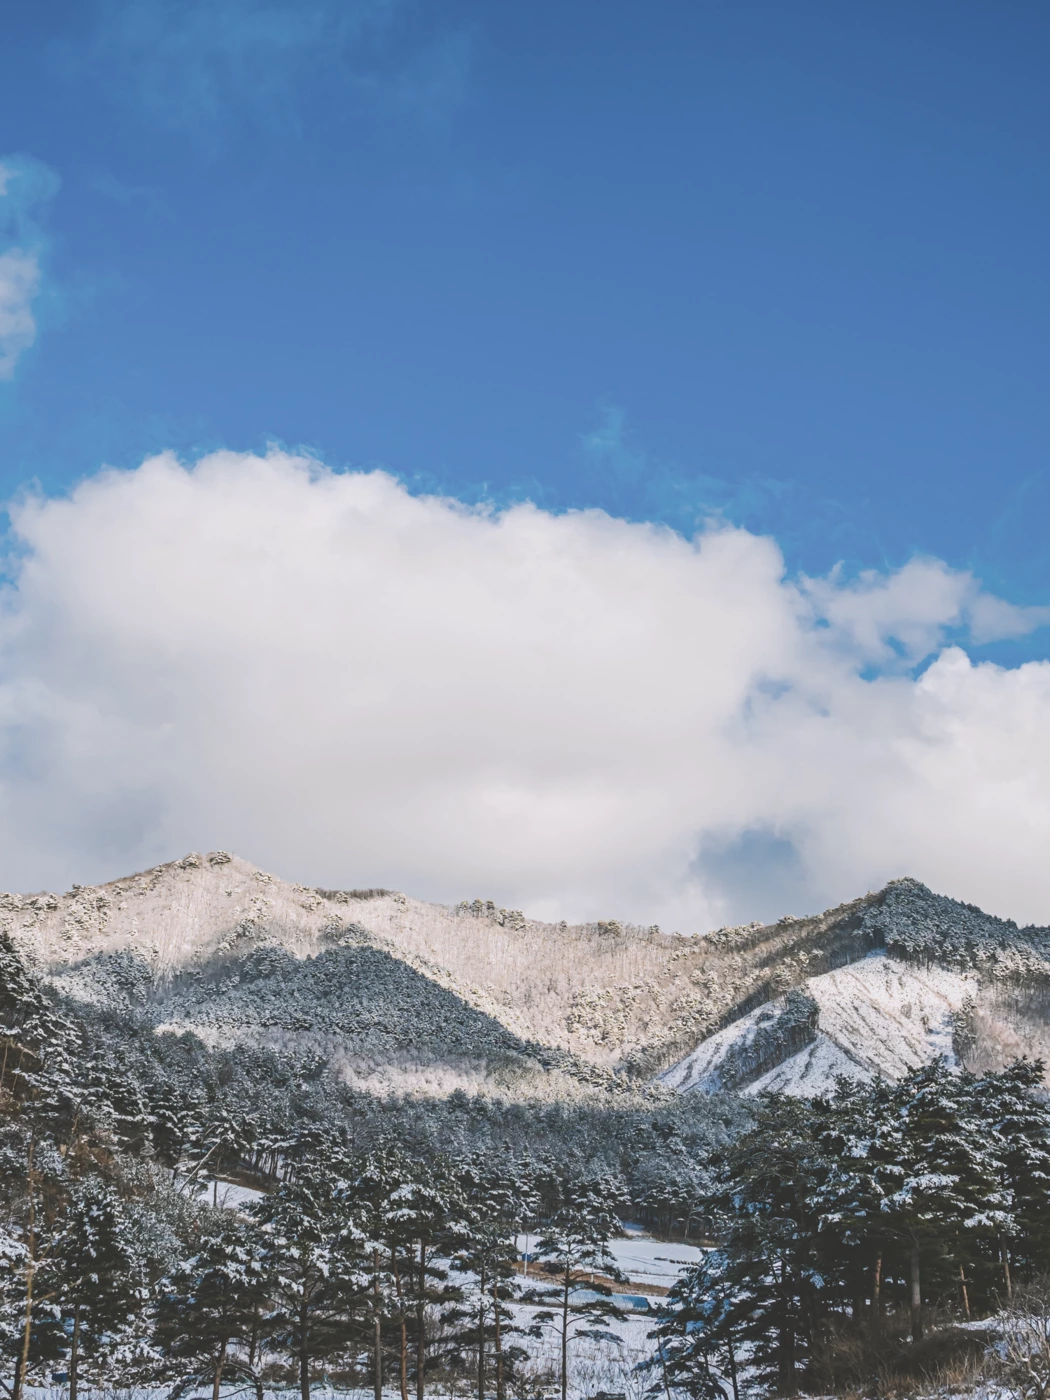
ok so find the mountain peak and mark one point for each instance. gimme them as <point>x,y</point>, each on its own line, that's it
<point>212,944</point>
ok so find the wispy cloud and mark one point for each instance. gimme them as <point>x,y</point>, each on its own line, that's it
<point>25,185</point>
<point>623,476</point>
<point>199,65</point>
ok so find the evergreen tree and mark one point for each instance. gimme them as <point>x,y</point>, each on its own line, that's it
<point>498,1202</point>
<point>310,1255</point>
<point>769,1221</point>
<point>35,1188</point>
<point>427,1213</point>
<point>858,1151</point>
<point>574,1246</point>
<point>695,1333</point>
<point>95,1273</point>
<point>949,1191</point>
<point>209,1308</point>
<point>1012,1111</point>
<point>387,1224</point>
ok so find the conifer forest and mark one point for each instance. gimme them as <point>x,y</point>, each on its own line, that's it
<point>183,1219</point>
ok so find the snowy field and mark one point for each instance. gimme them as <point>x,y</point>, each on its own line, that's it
<point>645,1261</point>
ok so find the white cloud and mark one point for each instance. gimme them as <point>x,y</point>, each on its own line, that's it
<point>351,685</point>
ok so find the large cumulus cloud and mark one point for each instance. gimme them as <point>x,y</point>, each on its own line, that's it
<point>571,714</point>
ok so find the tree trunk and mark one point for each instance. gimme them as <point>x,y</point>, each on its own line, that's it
<point>786,1384</point>
<point>876,1292</point>
<point>481,1335</point>
<point>401,1306</point>
<point>565,1335</point>
<point>421,1338</point>
<point>27,1330</point>
<point>1004,1255</point>
<point>254,1342</point>
<point>965,1292</point>
<point>377,1331</point>
<point>304,1353</point>
<point>74,1353</point>
<point>497,1338</point>
<point>731,1354</point>
<point>217,1382</point>
<point>916,1295</point>
<point>663,1370</point>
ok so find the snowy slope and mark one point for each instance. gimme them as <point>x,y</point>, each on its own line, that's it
<point>877,1016</point>
<point>811,1071</point>
<point>406,996</point>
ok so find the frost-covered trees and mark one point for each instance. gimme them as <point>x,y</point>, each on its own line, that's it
<point>854,1213</point>
<point>211,1308</point>
<point>383,1243</point>
<point>97,1274</point>
<point>498,1203</point>
<point>766,1212</point>
<point>696,1333</point>
<point>311,1258</point>
<point>574,1248</point>
<point>1014,1118</point>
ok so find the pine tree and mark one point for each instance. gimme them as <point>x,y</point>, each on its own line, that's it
<point>948,1192</point>
<point>695,1333</point>
<point>1014,1113</point>
<point>498,1202</point>
<point>858,1148</point>
<point>768,1220</point>
<point>210,1305</point>
<point>387,1250</point>
<point>574,1246</point>
<point>95,1276</point>
<point>427,1213</point>
<point>311,1257</point>
<point>35,1189</point>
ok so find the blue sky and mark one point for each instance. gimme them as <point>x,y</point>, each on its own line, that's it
<point>780,266</point>
<point>787,261</point>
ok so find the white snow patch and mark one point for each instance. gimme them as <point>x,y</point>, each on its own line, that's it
<point>645,1261</point>
<point>811,1072</point>
<point>700,1068</point>
<point>891,1017</point>
<point>653,1261</point>
<point>878,1016</point>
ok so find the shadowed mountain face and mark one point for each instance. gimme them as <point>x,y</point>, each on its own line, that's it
<point>405,996</point>
<point>377,1019</point>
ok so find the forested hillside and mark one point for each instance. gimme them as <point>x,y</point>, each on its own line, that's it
<point>400,995</point>
<point>387,1097</point>
<point>377,1240</point>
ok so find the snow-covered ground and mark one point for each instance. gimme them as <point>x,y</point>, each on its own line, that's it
<point>811,1071</point>
<point>233,1197</point>
<point>645,1261</point>
<point>875,1016</point>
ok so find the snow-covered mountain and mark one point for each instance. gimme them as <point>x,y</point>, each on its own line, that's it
<point>878,1016</point>
<point>406,996</point>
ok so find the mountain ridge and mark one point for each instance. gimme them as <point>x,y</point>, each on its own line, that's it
<point>405,996</point>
